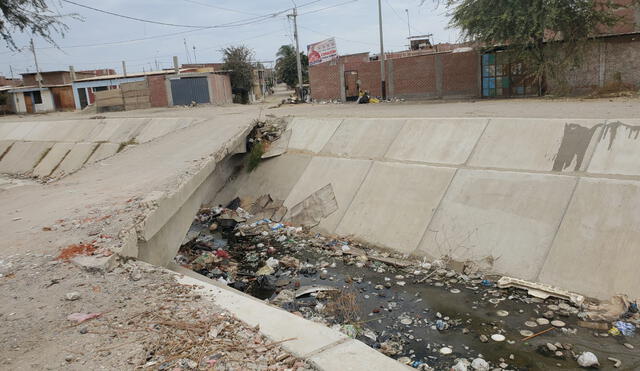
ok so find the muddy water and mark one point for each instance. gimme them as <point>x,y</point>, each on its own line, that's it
<point>468,312</point>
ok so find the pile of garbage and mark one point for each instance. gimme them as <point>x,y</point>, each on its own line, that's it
<point>425,314</point>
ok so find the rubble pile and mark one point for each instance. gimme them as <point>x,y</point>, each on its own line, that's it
<point>425,314</point>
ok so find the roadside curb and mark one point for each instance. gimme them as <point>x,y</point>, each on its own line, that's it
<point>323,347</point>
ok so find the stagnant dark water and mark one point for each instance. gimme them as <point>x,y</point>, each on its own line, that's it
<point>469,313</point>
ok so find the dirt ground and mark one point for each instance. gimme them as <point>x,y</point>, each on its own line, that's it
<point>146,320</point>
<point>33,313</point>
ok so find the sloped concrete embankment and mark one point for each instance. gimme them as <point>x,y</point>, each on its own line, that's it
<point>56,148</point>
<point>548,200</point>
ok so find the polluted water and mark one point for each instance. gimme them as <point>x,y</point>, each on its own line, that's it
<point>425,314</point>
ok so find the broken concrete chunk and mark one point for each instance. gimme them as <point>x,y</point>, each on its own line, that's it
<point>540,290</point>
<point>314,208</point>
<point>279,146</point>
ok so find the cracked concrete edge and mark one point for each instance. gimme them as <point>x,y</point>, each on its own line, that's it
<point>161,206</point>
<point>324,348</point>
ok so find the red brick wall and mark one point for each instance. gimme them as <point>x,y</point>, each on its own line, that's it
<point>415,76</point>
<point>460,74</point>
<point>411,77</point>
<point>621,57</point>
<point>157,91</point>
<point>325,81</point>
<point>369,75</point>
<point>630,19</point>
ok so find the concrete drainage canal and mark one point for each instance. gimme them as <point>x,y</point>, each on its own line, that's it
<point>427,315</point>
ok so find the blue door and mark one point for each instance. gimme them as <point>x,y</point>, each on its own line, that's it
<point>187,90</point>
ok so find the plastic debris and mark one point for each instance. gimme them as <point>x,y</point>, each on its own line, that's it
<point>626,328</point>
<point>480,364</point>
<point>588,359</point>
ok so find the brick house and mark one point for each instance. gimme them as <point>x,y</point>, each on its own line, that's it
<point>464,71</point>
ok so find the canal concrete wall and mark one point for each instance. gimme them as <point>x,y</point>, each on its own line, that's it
<point>548,200</point>
<point>54,149</point>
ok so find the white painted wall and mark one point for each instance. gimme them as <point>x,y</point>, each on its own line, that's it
<point>17,103</point>
<point>47,104</point>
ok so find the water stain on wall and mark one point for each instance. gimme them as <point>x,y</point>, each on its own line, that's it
<point>576,139</point>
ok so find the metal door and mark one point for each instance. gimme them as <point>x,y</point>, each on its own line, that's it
<point>187,90</point>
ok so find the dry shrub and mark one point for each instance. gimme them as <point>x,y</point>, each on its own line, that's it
<point>342,305</point>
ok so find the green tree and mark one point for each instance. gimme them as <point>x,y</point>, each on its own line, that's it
<point>237,60</point>
<point>547,35</point>
<point>33,16</point>
<point>287,66</point>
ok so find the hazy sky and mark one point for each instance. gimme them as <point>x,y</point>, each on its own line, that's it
<point>103,41</point>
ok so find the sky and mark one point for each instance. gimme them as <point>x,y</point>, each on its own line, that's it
<point>101,40</point>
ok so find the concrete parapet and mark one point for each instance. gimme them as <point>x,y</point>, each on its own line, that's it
<point>368,138</point>
<point>536,144</point>
<point>311,134</point>
<point>442,141</point>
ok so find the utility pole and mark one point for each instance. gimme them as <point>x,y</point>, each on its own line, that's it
<point>383,82</point>
<point>186,49</point>
<point>124,69</point>
<point>298,61</point>
<point>11,70</point>
<point>408,21</point>
<point>35,59</point>
<point>176,65</point>
<point>195,59</point>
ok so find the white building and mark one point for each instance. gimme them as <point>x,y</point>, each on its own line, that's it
<point>31,100</point>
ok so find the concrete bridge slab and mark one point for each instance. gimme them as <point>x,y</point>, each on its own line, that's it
<point>536,144</point>
<point>160,127</point>
<point>443,141</point>
<point>596,249</point>
<point>395,203</point>
<point>53,158</point>
<point>311,134</point>
<point>618,149</point>
<point>507,220</point>
<point>23,157</point>
<point>363,138</point>
<point>345,176</point>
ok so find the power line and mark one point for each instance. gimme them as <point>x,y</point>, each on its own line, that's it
<point>132,18</point>
<point>328,7</point>
<point>241,22</point>
<point>219,7</point>
<point>394,11</point>
<point>342,38</point>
